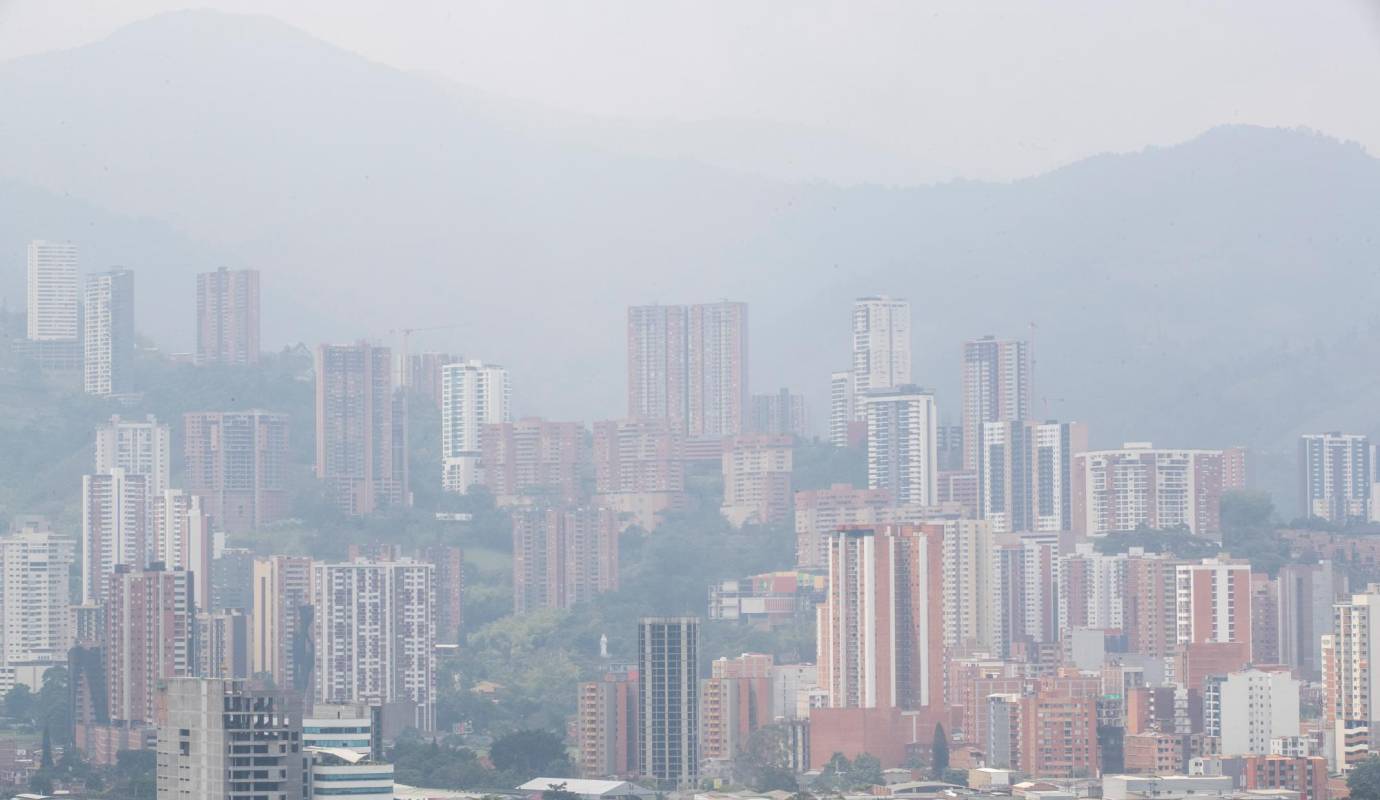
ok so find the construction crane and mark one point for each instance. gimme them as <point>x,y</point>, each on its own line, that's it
<point>405,364</point>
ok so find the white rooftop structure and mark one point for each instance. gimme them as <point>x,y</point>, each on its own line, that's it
<point>589,788</point>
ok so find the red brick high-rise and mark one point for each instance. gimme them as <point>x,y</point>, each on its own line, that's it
<point>227,317</point>
<point>361,428</point>
<point>237,462</point>
<point>606,725</point>
<point>149,618</point>
<point>639,468</point>
<point>563,556</point>
<point>881,629</point>
<point>534,457</point>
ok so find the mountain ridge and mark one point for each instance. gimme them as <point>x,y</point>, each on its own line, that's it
<point>371,199</point>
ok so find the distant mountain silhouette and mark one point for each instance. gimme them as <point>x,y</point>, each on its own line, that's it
<point>1218,291</point>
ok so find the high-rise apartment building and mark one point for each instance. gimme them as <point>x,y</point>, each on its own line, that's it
<point>658,380</point>
<point>280,621</point>
<point>223,739</point>
<point>563,556</point>
<point>1247,709</point>
<point>108,337</point>
<point>1120,490</point>
<point>1264,619</point>
<point>780,413</point>
<point>1152,605</point>
<point>149,638</point>
<point>236,461</point>
<point>232,579</point>
<point>820,512</point>
<point>1038,586</point>
<point>881,348</point>
<point>139,448</point>
<point>534,458</point>
<point>668,703</point>
<point>901,444</point>
<point>222,642</point>
<point>450,582</point>
<point>951,448</point>
<point>182,539</point>
<point>639,468</point>
<point>53,299</point>
<point>1059,733</point>
<point>361,428</point>
<point>735,701</point>
<point>1092,592</point>
<point>116,528</point>
<point>606,725</point>
<point>1214,602</point>
<point>1025,474</point>
<point>227,317</point>
<point>842,405</point>
<point>996,388</point>
<point>1334,476</point>
<point>717,369</point>
<point>688,365</point>
<point>375,635</point>
<point>473,395</point>
<point>757,478</point>
<point>881,628</point>
<point>35,623</point>
<point>423,375</point>
<point>967,585</point>
<point>1306,594</point>
<point>1351,679</point>
<point>1214,620</point>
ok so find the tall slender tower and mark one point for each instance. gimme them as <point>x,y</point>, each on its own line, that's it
<point>668,665</point>
<point>717,368</point>
<point>902,448</point>
<point>149,623</point>
<point>473,394</point>
<point>881,347</point>
<point>657,352</point>
<point>361,428</point>
<point>996,388</point>
<point>281,619</point>
<point>116,528</point>
<point>137,447</point>
<point>227,317</point>
<point>109,333</point>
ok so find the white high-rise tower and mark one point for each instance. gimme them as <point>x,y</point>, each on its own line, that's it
<point>473,394</point>
<point>881,347</point>
<point>53,298</point>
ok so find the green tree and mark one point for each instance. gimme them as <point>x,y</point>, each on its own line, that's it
<point>763,762</point>
<point>939,751</point>
<point>1364,780</point>
<point>53,707</point>
<point>529,752</point>
<point>19,703</point>
<point>867,771</point>
<point>1248,531</point>
<point>46,761</point>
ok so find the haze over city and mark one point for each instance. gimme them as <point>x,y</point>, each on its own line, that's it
<point>716,401</point>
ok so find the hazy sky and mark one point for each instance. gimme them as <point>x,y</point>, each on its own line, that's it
<point>988,89</point>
